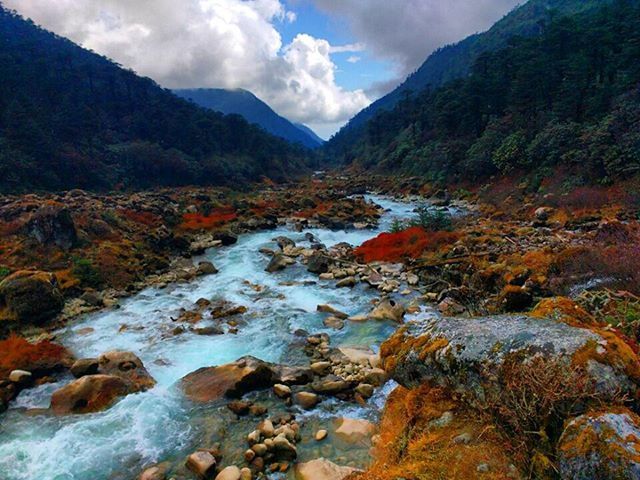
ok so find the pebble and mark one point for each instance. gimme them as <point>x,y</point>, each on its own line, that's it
<point>321,435</point>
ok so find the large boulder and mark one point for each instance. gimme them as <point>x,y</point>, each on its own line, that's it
<point>319,263</point>
<point>128,367</point>
<point>233,380</point>
<point>602,445</point>
<point>89,394</point>
<point>53,225</point>
<point>30,297</point>
<point>468,355</point>
<point>354,431</point>
<point>322,469</point>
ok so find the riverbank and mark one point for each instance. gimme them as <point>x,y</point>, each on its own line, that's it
<point>343,273</point>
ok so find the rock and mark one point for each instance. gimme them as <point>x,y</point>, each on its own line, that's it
<point>542,214</point>
<point>321,368</point>
<point>157,472</point>
<point>388,310</point>
<point>284,242</point>
<point>89,394</point>
<point>365,390</point>
<point>208,331</point>
<point>266,428</point>
<point>329,309</point>
<point>229,473</point>
<point>468,355</point>
<point>245,474</point>
<point>330,385</point>
<point>127,366</point>
<point>85,366</point>
<point>206,268</point>
<point>306,400</point>
<point>21,377</point>
<point>376,377</point>
<point>239,407</point>
<point>30,297</point>
<point>92,298</point>
<point>53,225</point>
<point>278,262</point>
<point>292,375</point>
<point>260,449</point>
<point>463,438</point>
<point>281,391</point>
<point>321,435</point>
<point>602,445</point>
<point>355,431</point>
<point>318,263</point>
<point>514,299</point>
<point>333,322</point>
<point>226,238</point>
<point>284,448</point>
<point>322,469</point>
<point>224,309</point>
<point>348,282</point>
<point>232,380</point>
<point>357,355</point>
<point>203,464</point>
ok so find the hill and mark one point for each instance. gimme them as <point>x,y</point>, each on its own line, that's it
<point>73,119</point>
<point>455,61</point>
<point>252,109</point>
<point>569,98</point>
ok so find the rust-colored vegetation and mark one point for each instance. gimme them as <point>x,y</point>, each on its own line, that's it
<point>216,218</point>
<point>18,353</point>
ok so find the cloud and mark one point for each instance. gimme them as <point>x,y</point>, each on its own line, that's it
<point>405,32</point>
<point>209,43</point>
<point>354,59</point>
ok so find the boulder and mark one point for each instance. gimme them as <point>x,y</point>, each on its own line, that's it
<point>333,311</point>
<point>127,366</point>
<point>157,472</point>
<point>226,238</point>
<point>278,262</point>
<point>306,400</point>
<point>284,242</point>
<point>229,473</point>
<point>322,469</point>
<point>202,463</point>
<point>468,355</point>
<point>89,394</point>
<point>206,268</point>
<point>53,225</point>
<point>387,310</point>
<point>85,366</point>
<point>30,297</point>
<point>292,375</point>
<point>281,391</point>
<point>354,431</point>
<point>233,380</point>
<point>318,263</point>
<point>602,445</point>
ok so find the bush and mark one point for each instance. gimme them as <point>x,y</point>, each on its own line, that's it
<point>4,272</point>
<point>431,220</point>
<point>407,244</point>
<point>88,275</point>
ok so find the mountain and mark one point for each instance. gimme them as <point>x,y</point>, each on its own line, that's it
<point>254,110</point>
<point>310,132</point>
<point>70,118</point>
<point>567,98</point>
<point>455,61</point>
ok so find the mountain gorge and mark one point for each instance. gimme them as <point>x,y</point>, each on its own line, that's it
<point>73,119</point>
<point>252,109</point>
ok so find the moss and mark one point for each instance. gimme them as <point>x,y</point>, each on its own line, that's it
<point>565,310</point>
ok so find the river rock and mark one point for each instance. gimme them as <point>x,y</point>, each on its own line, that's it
<point>85,366</point>
<point>206,268</point>
<point>53,225</point>
<point>354,431</point>
<point>330,385</point>
<point>127,366</point>
<point>306,400</point>
<point>322,469</point>
<point>387,310</point>
<point>602,445</point>
<point>467,355</point>
<point>279,262</point>
<point>229,473</point>
<point>333,311</point>
<point>21,377</point>
<point>321,435</point>
<point>89,394</point>
<point>202,463</point>
<point>232,380</point>
<point>318,263</point>
<point>281,391</point>
<point>157,472</point>
<point>30,297</point>
<point>284,242</point>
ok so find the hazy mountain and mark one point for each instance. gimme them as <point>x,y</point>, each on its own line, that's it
<point>254,110</point>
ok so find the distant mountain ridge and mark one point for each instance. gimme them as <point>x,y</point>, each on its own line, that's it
<point>455,61</point>
<point>251,108</point>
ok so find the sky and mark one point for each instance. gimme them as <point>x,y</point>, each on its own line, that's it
<point>317,62</point>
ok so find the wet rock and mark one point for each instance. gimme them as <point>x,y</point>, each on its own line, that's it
<point>92,298</point>
<point>321,368</point>
<point>306,400</point>
<point>318,263</point>
<point>226,238</point>
<point>229,473</point>
<point>321,435</point>
<point>245,474</point>
<point>333,311</point>
<point>21,377</point>
<point>127,366</point>
<point>30,297</point>
<point>232,380</point>
<point>207,331</point>
<point>89,394</point>
<point>281,391</point>
<point>365,390</point>
<point>322,469</point>
<point>602,445</point>
<point>348,282</point>
<point>284,448</point>
<point>240,407</point>
<point>53,225</point>
<point>292,375</point>
<point>355,431</point>
<point>224,309</point>
<point>330,385</point>
<point>284,242</point>
<point>279,262</point>
<point>206,268</point>
<point>202,464</point>
<point>157,472</point>
<point>333,322</point>
<point>388,310</point>
<point>85,366</point>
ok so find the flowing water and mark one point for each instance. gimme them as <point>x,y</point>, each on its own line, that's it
<point>159,424</point>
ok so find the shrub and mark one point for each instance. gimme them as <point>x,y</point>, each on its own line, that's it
<point>216,218</point>
<point>431,220</point>
<point>17,353</point>
<point>88,275</point>
<point>4,272</point>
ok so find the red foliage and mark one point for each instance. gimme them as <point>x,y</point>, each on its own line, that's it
<point>318,209</point>
<point>395,247</point>
<point>586,198</point>
<point>16,353</point>
<point>142,218</point>
<point>217,217</point>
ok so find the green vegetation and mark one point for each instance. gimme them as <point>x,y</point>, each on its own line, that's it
<point>4,272</point>
<point>568,97</point>
<point>72,119</point>
<point>88,275</point>
<point>428,218</point>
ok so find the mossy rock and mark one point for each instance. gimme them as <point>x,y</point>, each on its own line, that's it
<point>30,297</point>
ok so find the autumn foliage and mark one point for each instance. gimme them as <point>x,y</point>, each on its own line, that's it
<point>217,218</point>
<point>17,353</point>
<point>410,243</point>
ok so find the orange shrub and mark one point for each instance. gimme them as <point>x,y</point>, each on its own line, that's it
<point>410,243</point>
<point>142,218</point>
<point>217,217</point>
<point>17,353</point>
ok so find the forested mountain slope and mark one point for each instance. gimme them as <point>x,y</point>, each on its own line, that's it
<point>569,97</point>
<point>72,119</point>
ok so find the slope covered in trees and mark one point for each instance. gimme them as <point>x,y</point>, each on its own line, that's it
<point>252,109</point>
<point>456,61</point>
<point>72,119</point>
<point>568,97</point>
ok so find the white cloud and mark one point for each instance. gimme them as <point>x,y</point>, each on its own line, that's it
<point>209,43</point>
<point>354,59</point>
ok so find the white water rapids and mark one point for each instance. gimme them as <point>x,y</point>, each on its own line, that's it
<point>151,426</point>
